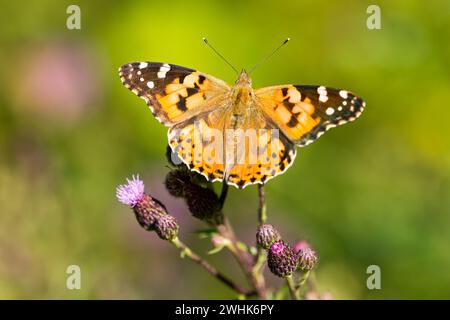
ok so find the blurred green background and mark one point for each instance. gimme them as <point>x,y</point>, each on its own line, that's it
<point>375,191</point>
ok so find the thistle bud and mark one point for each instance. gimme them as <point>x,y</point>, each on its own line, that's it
<point>203,203</point>
<point>177,181</point>
<point>307,259</point>
<point>167,227</point>
<point>282,260</point>
<point>267,235</point>
<point>146,209</point>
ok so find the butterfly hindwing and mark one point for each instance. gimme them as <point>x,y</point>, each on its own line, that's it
<point>275,155</point>
<point>172,92</point>
<point>304,113</point>
<point>240,157</point>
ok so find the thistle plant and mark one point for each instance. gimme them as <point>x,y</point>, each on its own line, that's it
<point>294,264</point>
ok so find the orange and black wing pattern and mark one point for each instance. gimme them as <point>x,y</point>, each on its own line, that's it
<point>172,92</point>
<point>304,113</point>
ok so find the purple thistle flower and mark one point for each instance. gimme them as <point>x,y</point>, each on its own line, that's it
<point>132,192</point>
<point>147,209</point>
<point>278,247</point>
<point>281,259</point>
<point>301,245</point>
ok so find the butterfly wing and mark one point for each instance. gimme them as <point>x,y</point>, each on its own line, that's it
<point>271,155</point>
<point>173,93</point>
<point>198,142</point>
<point>304,113</point>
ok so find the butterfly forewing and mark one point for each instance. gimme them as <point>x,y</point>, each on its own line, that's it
<point>172,92</point>
<point>304,113</point>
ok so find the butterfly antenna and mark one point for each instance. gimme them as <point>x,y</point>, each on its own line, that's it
<point>269,55</point>
<point>218,53</point>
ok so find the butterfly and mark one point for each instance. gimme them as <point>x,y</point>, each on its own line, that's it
<point>234,133</point>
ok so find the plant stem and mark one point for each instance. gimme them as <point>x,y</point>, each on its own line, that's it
<point>209,268</point>
<point>223,194</point>
<point>304,276</point>
<point>292,289</point>
<point>262,217</point>
<point>262,210</point>
<point>244,258</point>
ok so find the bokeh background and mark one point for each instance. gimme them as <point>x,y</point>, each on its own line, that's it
<point>375,191</point>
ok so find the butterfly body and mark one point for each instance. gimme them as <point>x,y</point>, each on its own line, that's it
<point>242,104</point>
<point>235,133</point>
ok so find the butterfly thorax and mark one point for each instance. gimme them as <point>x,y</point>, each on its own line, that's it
<point>242,97</point>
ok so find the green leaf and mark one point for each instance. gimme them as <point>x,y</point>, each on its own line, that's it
<point>216,249</point>
<point>206,233</point>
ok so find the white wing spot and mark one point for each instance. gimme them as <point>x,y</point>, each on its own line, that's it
<point>323,98</point>
<point>322,91</point>
<point>340,108</point>
<point>151,84</point>
<point>343,94</point>
<point>143,65</point>
<point>329,111</point>
<point>141,79</point>
<point>165,67</point>
<point>163,70</point>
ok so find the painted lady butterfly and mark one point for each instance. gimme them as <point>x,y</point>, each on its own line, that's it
<point>234,133</point>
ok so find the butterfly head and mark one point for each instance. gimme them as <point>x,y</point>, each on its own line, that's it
<point>244,80</point>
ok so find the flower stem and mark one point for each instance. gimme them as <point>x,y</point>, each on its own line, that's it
<point>223,194</point>
<point>244,259</point>
<point>292,289</point>
<point>209,268</point>
<point>262,217</point>
<point>262,210</point>
<point>304,276</point>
